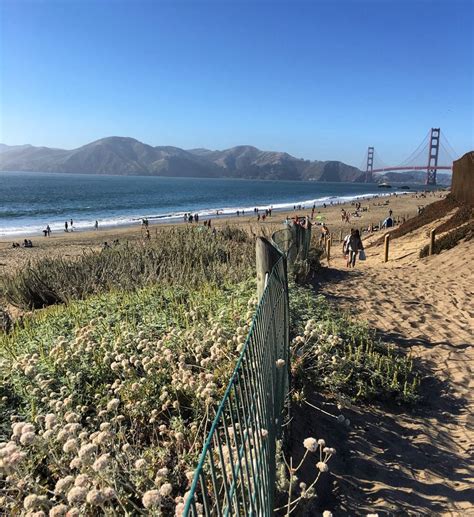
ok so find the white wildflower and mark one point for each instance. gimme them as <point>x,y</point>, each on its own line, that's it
<point>63,485</point>
<point>27,438</point>
<point>151,499</point>
<point>101,463</point>
<point>86,451</point>
<point>113,404</point>
<point>321,466</point>
<point>140,464</point>
<point>75,463</point>
<point>108,493</point>
<point>60,510</point>
<point>47,435</point>
<point>95,497</point>
<point>28,428</point>
<point>77,495</point>
<point>166,489</point>
<point>82,480</point>
<point>310,444</point>
<point>31,501</point>
<point>280,363</point>
<point>17,428</point>
<point>70,446</point>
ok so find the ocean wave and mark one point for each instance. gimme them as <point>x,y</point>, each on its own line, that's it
<point>35,227</point>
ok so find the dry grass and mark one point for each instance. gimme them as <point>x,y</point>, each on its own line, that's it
<point>179,256</point>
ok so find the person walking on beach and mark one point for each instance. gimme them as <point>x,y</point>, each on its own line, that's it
<point>354,246</point>
<point>66,226</point>
<point>48,229</point>
<point>96,225</point>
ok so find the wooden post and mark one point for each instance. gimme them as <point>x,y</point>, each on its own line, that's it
<point>432,240</point>
<point>380,225</point>
<point>386,246</point>
<point>340,236</point>
<point>266,257</point>
<point>328,248</point>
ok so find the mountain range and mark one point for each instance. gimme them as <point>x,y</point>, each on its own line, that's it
<point>127,156</point>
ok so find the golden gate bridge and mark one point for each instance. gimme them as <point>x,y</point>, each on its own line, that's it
<point>433,154</point>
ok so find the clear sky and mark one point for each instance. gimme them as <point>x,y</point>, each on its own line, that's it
<point>318,79</point>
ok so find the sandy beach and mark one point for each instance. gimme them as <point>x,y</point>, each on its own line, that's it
<point>73,244</point>
<point>417,462</point>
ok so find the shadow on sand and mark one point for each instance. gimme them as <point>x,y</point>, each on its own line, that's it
<point>391,458</point>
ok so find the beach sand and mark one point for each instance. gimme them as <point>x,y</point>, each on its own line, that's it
<point>73,244</point>
<point>399,461</point>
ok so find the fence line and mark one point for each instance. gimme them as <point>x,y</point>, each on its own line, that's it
<point>236,471</point>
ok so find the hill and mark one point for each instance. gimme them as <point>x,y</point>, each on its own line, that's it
<point>127,156</point>
<point>412,177</point>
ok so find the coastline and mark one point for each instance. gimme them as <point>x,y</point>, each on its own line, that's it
<point>214,213</point>
<point>73,244</point>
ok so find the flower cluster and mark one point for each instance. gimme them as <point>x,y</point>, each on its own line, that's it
<point>118,412</point>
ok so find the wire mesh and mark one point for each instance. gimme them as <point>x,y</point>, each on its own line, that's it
<point>237,467</point>
<point>236,471</point>
<point>293,241</point>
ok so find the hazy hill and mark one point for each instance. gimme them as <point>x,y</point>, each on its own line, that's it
<point>127,156</point>
<point>412,177</point>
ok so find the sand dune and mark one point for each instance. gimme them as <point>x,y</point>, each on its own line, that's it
<point>419,463</point>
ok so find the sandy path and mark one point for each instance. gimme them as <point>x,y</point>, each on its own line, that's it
<point>418,463</point>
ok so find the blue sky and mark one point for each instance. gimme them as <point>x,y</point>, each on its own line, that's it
<point>318,79</point>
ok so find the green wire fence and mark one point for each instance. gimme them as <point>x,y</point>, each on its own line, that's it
<point>237,467</point>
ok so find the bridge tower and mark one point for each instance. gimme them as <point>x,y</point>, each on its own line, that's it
<point>433,152</point>
<point>370,165</point>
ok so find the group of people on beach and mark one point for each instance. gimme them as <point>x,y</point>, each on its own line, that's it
<point>190,218</point>
<point>68,227</point>
<point>25,244</point>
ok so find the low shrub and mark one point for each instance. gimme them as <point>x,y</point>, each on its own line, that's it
<point>105,403</point>
<point>333,354</point>
<point>450,240</point>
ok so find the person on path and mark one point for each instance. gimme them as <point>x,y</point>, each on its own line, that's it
<point>354,246</point>
<point>324,234</point>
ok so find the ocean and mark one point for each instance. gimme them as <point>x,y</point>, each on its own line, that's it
<point>29,201</point>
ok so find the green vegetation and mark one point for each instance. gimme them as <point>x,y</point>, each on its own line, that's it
<point>118,390</point>
<point>105,401</point>
<point>332,353</point>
